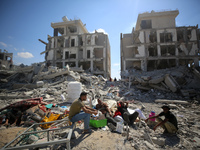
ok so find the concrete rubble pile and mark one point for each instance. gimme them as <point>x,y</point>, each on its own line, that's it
<point>178,87</point>
<point>173,83</point>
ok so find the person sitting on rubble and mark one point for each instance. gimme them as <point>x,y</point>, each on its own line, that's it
<point>128,118</point>
<point>169,124</point>
<point>13,117</point>
<point>75,113</point>
<point>104,108</point>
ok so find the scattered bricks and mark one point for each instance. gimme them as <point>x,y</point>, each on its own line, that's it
<point>146,78</point>
<point>32,139</point>
<point>136,146</point>
<point>39,83</point>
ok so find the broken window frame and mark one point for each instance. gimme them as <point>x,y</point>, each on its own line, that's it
<point>153,37</point>
<point>168,50</point>
<point>166,37</point>
<point>88,54</point>
<point>67,55</point>
<point>72,29</point>
<point>153,52</point>
<point>146,24</point>
<point>72,42</point>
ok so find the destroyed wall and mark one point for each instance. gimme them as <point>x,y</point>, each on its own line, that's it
<point>6,60</point>
<point>158,44</point>
<point>73,45</point>
<point>156,20</point>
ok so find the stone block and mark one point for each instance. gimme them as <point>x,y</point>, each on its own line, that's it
<point>158,141</point>
<point>149,145</point>
<point>170,83</point>
<point>32,139</point>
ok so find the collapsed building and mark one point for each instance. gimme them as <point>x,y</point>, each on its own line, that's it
<point>156,43</point>
<point>73,45</point>
<point>6,59</point>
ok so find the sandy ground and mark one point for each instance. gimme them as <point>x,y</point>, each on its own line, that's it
<point>8,134</point>
<point>99,140</point>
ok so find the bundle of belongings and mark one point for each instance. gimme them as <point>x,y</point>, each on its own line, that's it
<point>28,112</point>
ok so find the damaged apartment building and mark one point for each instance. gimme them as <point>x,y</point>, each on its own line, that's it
<point>156,43</point>
<point>6,60</point>
<point>73,45</point>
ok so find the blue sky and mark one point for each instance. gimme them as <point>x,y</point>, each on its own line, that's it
<point>23,22</point>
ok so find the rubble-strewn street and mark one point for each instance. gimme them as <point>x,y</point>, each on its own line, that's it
<point>178,87</point>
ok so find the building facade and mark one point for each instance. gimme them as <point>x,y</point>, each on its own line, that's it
<point>156,43</point>
<point>73,45</point>
<point>6,60</point>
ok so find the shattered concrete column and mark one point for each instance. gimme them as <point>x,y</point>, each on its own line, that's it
<point>158,50</point>
<point>64,45</point>
<point>124,65</point>
<point>196,62</point>
<point>144,64</point>
<point>56,42</point>
<point>63,64</point>
<point>76,57</point>
<point>176,53</point>
<point>91,65</point>
<point>52,43</point>
<point>104,60</point>
<point>177,62</point>
<point>65,31</point>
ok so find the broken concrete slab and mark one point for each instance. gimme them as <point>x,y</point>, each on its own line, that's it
<point>196,72</point>
<point>53,75</point>
<point>143,88</point>
<point>159,87</point>
<point>156,80</point>
<point>146,78</point>
<point>169,82</point>
<point>12,96</point>
<point>171,101</point>
<point>158,141</point>
<point>24,85</point>
<point>141,81</point>
<point>149,145</point>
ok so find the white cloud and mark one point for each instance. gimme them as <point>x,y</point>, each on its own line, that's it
<point>116,64</point>
<point>25,55</point>
<point>10,37</point>
<point>15,48</point>
<point>23,49</point>
<point>100,30</point>
<point>4,44</point>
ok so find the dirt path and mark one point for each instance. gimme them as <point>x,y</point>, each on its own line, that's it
<point>101,140</point>
<point>8,134</point>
